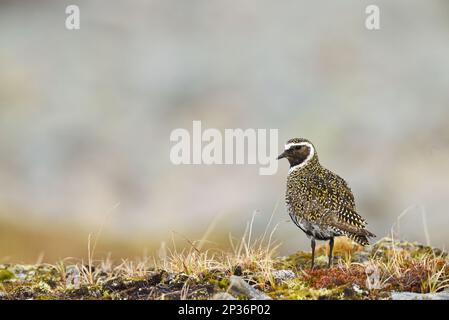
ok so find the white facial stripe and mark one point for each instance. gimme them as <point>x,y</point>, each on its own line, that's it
<point>292,144</point>
<point>309,157</point>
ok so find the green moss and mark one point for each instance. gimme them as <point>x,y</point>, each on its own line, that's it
<point>222,283</point>
<point>298,289</point>
<point>43,297</point>
<point>345,280</point>
<point>295,261</point>
<point>6,275</point>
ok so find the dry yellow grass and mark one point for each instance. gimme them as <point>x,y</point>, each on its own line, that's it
<point>200,268</point>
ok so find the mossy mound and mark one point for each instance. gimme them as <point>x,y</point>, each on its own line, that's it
<point>372,272</point>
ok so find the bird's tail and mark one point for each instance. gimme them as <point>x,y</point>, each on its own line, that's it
<point>361,237</point>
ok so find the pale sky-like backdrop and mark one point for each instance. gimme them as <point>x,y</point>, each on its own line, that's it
<point>86,117</point>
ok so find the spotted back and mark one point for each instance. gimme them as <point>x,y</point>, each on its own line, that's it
<point>322,198</point>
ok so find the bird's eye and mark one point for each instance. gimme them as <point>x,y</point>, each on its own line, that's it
<point>298,147</point>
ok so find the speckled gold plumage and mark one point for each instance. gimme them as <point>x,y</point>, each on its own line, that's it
<point>318,200</point>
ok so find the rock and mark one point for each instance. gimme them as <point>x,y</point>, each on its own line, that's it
<point>357,289</point>
<point>24,272</point>
<point>72,280</point>
<point>361,257</point>
<point>223,296</point>
<point>444,295</point>
<point>283,275</point>
<point>353,291</point>
<point>72,269</point>
<point>240,287</point>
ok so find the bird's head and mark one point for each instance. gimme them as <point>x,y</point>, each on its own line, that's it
<point>299,152</point>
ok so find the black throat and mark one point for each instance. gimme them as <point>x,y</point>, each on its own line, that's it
<point>297,160</point>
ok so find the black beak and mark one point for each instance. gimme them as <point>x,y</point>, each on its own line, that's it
<point>282,155</point>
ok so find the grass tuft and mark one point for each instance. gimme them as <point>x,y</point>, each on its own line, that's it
<point>200,269</point>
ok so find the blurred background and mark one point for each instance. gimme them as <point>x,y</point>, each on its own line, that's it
<point>86,116</point>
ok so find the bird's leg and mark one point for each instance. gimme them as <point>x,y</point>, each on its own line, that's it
<point>313,252</point>
<point>331,248</point>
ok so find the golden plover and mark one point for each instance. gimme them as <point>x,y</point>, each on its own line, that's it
<point>319,202</point>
